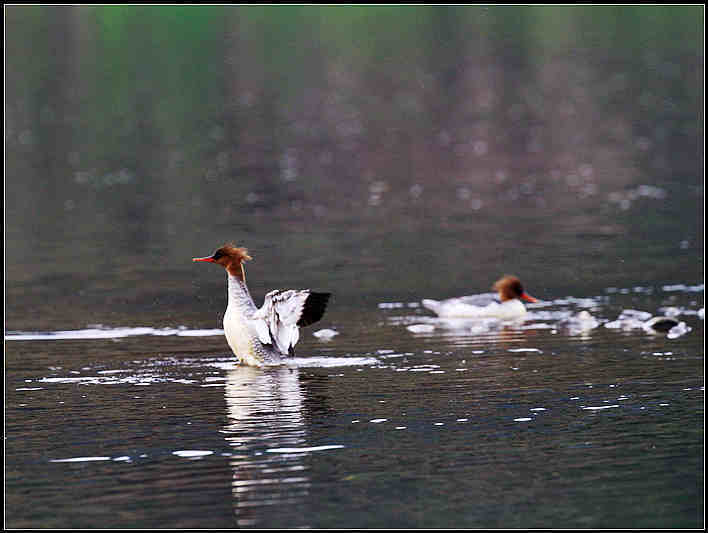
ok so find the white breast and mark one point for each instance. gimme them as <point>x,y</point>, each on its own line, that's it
<point>241,337</point>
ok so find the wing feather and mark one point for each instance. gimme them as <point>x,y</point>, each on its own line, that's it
<point>261,328</point>
<point>278,321</point>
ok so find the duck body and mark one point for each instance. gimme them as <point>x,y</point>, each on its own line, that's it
<point>462,308</point>
<point>241,329</point>
<point>505,304</point>
<point>265,335</point>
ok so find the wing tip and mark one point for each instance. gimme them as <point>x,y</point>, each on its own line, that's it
<point>314,308</point>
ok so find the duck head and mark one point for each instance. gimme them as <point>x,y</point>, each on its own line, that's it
<point>231,258</point>
<point>509,288</point>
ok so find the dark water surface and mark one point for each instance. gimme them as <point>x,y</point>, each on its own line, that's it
<point>526,426</point>
<point>384,155</point>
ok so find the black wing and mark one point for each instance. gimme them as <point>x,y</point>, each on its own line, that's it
<point>314,308</point>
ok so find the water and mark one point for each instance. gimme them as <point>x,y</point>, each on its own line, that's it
<point>387,156</point>
<point>524,425</point>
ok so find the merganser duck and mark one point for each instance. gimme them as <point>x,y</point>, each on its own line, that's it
<point>510,292</point>
<point>263,336</point>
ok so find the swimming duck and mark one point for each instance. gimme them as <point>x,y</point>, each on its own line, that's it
<point>504,304</point>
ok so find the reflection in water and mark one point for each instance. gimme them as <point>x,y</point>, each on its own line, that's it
<point>265,417</point>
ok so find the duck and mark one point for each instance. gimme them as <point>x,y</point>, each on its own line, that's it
<point>264,336</point>
<point>505,304</point>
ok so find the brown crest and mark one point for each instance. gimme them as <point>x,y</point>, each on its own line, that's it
<point>509,288</point>
<point>231,258</point>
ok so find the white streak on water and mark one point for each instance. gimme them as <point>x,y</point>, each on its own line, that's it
<point>305,450</point>
<point>325,334</point>
<point>680,287</point>
<point>79,459</point>
<point>108,333</point>
<point>326,362</point>
<point>421,328</point>
<point>192,454</point>
<point>423,368</point>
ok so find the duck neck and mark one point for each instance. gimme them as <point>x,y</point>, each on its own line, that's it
<point>238,293</point>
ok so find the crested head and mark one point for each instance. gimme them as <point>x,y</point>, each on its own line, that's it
<point>510,288</point>
<point>231,258</point>
<point>233,252</point>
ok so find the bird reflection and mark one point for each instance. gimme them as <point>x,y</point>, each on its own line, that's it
<point>265,416</point>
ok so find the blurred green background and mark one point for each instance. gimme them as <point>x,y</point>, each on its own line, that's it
<point>376,151</point>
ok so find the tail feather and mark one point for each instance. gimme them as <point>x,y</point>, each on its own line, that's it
<point>314,308</point>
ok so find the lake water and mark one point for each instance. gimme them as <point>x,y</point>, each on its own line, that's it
<point>527,425</point>
<point>385,156</point>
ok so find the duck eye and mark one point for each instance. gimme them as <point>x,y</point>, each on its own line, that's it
<point>217,255</point>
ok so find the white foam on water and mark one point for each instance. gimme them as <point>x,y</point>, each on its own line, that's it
<point>192,454</point>
<point>581,323</point>
<point>680,287</point>
<point>325,334</point>
<point>85,379</point>
<point>306,450</point>
<point>421,328</point>
<point>93,333</point>
<point>391,305</point>
<point>422,368</point>
<point>677,331</point>
<point>79,459</point>
<point>198,333</point>
<point>327,362</point>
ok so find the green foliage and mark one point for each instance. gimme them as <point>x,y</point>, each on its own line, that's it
<point>234,87</point>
